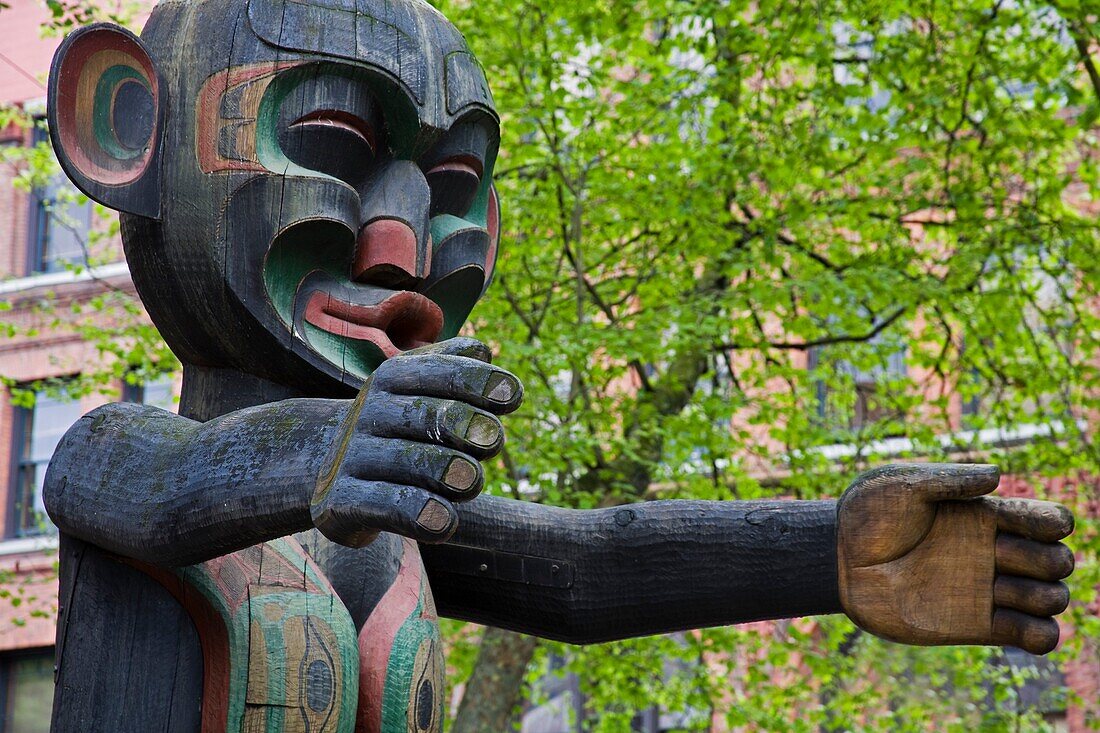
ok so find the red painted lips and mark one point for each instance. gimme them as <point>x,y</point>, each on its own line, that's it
<point>403,321</point>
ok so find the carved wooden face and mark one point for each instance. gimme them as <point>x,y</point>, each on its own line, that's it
<point>324,179</point>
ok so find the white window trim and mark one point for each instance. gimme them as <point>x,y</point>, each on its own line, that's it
<point>53,279</point>
<point>962,440</point>
<point>28,545</point>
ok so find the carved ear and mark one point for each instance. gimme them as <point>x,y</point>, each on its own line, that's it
<point>106,108</point>
<point>492,224</point>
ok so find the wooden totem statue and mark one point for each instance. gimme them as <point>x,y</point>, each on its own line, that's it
<point>309,216</point>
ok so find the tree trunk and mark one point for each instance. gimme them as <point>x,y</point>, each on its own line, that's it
<point>493,691</point>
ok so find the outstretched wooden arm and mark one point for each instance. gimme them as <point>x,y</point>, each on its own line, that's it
<point>598,575</point>
<point>914,553</point>
<point>157,487</point>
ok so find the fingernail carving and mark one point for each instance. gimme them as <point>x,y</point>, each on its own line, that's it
<point>434,517</point>
<point>501,388</point>
<point>460,475</point>
<point>482,431</point>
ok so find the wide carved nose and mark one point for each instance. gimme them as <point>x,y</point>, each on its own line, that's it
<point>387,253</point>
<point>394,246</point>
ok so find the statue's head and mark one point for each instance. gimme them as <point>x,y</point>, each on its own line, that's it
<point>306,185</point>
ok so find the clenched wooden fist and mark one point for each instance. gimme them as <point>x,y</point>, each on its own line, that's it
<point>410,444</point>
<point>925,558</point>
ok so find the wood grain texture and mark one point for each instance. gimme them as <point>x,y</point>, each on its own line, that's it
<point>157,487</point>
<point>128,655</point>
<point>925,558</point>
<point>641,569</point>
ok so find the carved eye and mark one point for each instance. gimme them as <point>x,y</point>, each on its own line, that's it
<point>328,122</point>
<point>454,184</point>
<point>331,141</point>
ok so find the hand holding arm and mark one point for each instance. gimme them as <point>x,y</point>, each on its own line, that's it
<point>409,446</point>
<point>158,487</point>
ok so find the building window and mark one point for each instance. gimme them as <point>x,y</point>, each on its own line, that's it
<point>59,225</point>
<point>27,681</point>
<point>871,402</point>
<point>38,430</point>
<point>157,393</point>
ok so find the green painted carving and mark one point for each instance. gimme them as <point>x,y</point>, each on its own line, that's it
<point>279,639</point>
<point>413,697</point>
<point>103,106</point>
<point>417,653</point>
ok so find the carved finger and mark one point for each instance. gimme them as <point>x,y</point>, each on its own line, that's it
<point>1035,597</point>
<point>354,512</point>
<point>935,481</point>
<point>427,419</point>
<point>458,346</point>
<point>1041,560</point>
<point>1044,521</point>
<point>451,377</point>
<point>443,471</point>
<point>1030,633</point>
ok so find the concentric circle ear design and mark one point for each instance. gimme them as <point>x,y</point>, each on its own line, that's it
<point>106,114</point>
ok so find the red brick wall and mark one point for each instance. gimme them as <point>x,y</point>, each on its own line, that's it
<point>14,213</point>
<point>7,414</point>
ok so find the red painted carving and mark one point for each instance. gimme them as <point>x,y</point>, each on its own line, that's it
<point>214,639</point>
<point>209,121</point>
<point>465,163</point>
<point>377,636</point>
<point>404,320</point>
<point>80,71</point>
<point>388,243</point>
<point>233,575</point>
<point>340,119</point>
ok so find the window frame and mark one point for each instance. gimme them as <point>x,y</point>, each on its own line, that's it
<point>38,219</point>
<point>24,465</point>
<point>7,658</point>
<point>22,425</point>
<point>138,393</point>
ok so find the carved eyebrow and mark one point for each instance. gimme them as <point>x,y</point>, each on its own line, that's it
<point>468,141</point>
<point>341,119</point>
<point>382,42</point>
<point>466,83</point>
<point>460,163</point>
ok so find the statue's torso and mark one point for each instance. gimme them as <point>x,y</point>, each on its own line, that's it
<point>258,640</point>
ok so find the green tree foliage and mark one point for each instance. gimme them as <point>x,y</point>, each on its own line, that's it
<point>701,198</point>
